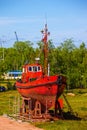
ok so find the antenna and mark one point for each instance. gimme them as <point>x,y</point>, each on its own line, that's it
<point>46,17</point>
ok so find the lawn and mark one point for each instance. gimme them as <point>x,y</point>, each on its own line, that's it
<point>7,100</point>
<point>77,102</point>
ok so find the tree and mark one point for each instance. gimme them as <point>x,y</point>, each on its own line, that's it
<point>24,50</point>
<point>64,59</point>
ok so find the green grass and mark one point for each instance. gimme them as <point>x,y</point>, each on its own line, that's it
<point>64,125</point>
<point>77,102</point>
<point>6,99</point>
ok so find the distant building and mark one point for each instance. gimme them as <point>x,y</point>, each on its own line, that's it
<point>13,74</point>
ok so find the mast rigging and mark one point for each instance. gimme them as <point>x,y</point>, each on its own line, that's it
<point>45,41</point>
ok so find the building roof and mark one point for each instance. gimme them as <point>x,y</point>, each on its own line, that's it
<point>15,72</point>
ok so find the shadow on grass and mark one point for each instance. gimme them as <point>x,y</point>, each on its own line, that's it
<point>70,116</point>
<point>66,116</point>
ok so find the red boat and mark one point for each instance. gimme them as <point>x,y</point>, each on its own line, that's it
<point>36,84</point>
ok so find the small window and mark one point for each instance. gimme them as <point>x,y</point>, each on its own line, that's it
<point>35,68</point>
<point>38,68</point>
<point>30,68</point>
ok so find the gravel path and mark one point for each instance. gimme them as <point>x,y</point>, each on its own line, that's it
<point>9,124</point>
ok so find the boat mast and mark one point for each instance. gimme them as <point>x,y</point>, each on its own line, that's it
<point>45,49</point>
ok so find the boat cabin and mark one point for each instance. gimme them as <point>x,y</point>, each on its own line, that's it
<point>31,72</point>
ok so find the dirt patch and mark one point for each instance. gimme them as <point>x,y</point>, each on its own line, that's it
<point>10,124</point>
<point>71,94</point>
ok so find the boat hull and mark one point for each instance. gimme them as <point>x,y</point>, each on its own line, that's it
<point>46,90</point>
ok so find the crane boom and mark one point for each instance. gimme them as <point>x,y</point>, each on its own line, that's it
<point>16,36</point>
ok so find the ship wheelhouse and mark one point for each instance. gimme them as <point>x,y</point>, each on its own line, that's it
<point>31,71</point>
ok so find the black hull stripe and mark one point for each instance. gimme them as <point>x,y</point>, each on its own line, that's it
<point>38,85</point>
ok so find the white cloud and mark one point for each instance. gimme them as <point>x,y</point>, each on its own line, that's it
<point>15,20</point>
<point>6,20</point>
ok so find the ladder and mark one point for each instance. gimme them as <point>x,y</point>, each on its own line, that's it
<point>69,106</point>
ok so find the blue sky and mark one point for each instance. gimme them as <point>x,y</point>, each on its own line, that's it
<point>65,19</point>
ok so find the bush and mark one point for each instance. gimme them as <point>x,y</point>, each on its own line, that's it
<point>10,85</point>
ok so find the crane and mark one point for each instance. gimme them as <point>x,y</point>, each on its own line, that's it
<point>16,36</point>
